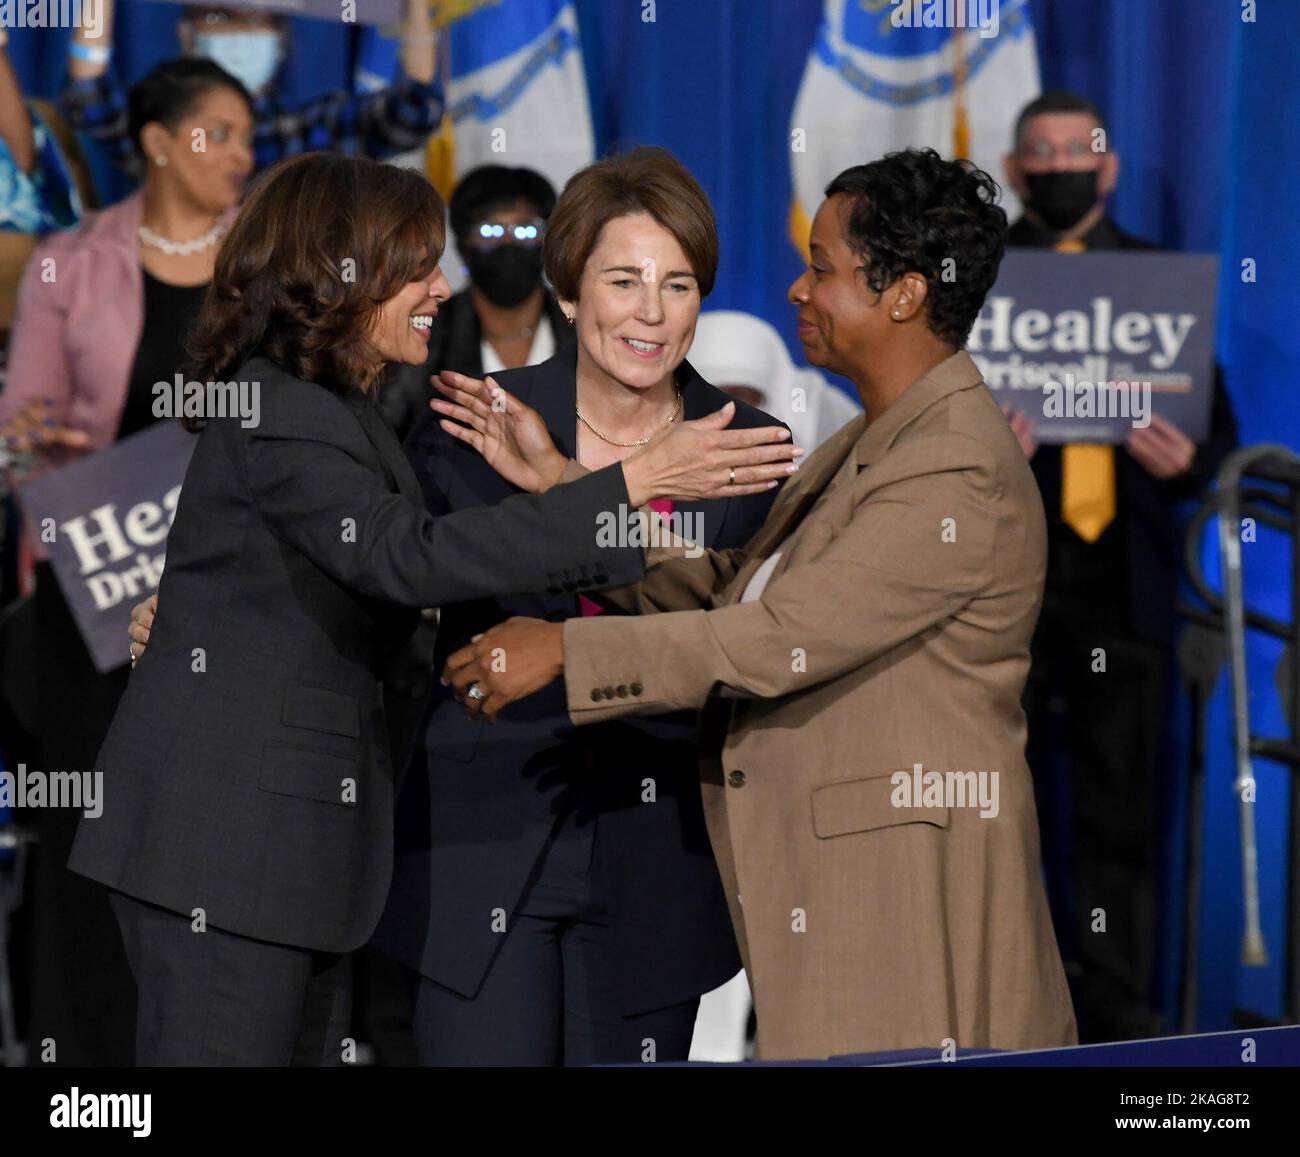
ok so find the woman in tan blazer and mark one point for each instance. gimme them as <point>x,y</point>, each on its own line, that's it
<point>860,661</point>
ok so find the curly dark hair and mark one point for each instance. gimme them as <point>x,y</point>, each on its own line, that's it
<point>911,211</point>
<point>320,243</point>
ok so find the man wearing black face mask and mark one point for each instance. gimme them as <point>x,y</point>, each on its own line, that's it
<point>1063,171</point>
<point>506,318</point>
<point>1114,537</point>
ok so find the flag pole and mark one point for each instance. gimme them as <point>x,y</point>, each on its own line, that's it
<point>960,112</point>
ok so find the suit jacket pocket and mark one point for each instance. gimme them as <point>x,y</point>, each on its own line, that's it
<point>306,773</point>
<point>867,803</point>
<point>320,709</point>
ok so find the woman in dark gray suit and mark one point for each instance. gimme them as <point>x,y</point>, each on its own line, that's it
<point>248,787</point>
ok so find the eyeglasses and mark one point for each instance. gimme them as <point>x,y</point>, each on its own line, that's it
<point>1045,151</point>
<point>491,234</point>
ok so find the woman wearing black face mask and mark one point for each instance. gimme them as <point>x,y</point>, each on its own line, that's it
<point>505,318</point>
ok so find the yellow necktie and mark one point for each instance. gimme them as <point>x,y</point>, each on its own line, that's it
<point>1087,472</point>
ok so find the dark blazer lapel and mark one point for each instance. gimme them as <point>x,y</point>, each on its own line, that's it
<point>398,470</point>
<point>552,390</point>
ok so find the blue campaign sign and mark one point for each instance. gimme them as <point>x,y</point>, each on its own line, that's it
<point>108,517</point>
<point>1089,345</point>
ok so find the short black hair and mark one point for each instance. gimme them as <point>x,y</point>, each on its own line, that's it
<point>490,187</point>
<point>171,91</point>
<point>912,211</point>
<point>1057,100</point>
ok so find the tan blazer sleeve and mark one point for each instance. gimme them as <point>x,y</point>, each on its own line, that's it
<point>675,579</point>
<point>921,544</point>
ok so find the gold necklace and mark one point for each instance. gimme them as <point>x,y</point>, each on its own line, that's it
<point>677,406</point>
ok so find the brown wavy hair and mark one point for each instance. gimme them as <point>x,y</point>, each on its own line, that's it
<point>320,243</point>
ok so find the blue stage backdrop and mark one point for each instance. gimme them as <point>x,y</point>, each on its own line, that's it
<point>1205,112</point>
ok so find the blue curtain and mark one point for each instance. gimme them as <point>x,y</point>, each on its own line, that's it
<point>1204,110</point>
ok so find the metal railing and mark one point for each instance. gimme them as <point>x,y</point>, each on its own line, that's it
<point>1260,483</point>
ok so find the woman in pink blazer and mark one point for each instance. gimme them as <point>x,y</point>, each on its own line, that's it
<point>103,313</point>
<point>96,302</point>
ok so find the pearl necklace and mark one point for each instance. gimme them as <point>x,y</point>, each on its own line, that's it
<point>183,248</point>
<point>677,407</point>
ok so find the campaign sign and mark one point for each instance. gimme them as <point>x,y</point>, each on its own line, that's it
<point>109,514</point>
<point>1089,345</point>
<point>351,11</point>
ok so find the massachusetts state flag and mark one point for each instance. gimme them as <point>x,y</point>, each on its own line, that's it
<point>892,74</point>
<point>517,94</point>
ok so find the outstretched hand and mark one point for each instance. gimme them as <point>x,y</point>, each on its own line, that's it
<point>511,436</point>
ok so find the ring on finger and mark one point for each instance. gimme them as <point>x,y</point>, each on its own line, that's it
<point>731,481</point>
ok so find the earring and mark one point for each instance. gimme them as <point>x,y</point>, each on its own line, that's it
<point>160,160</point>
<point>897,315</point>
<point>569,318</point>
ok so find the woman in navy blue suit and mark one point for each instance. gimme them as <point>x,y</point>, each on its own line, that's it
<point>554,892</point>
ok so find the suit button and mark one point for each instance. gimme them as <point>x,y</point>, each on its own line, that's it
<point>736,779</point>
<point>609,692</point>
<point>635,688</point>
<point>596,696</point>
<point>622,691</point>
<point>570,586</point>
